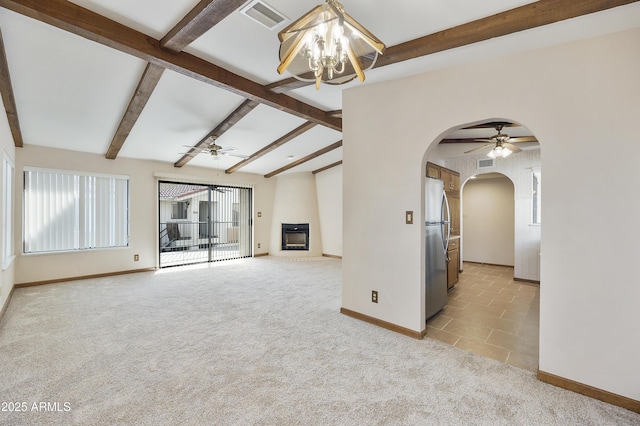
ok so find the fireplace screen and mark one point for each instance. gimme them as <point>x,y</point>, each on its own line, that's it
<point>295,236</point>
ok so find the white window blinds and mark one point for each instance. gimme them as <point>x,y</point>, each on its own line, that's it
<point>74,211</point>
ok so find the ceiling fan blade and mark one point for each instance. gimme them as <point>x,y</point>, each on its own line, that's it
<point>483,140</point>
<point>511,147</point>
<point>194,152</point>
<point>480,147</point>
<point>227,148</point>
<point>523,139</point>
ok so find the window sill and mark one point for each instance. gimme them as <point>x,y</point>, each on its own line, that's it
<point>78,251</point>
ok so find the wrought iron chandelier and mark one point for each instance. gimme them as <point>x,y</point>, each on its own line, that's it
<point>327,45</point>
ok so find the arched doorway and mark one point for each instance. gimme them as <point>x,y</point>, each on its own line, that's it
<point>489,312</point>
<point>488,215</point>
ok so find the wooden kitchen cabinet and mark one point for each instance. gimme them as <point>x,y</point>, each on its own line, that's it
<point>433,170</point>
<point>454,208</point>
<point>455,182</point>
<point>450,178</point>
<point>451,181</point>
<point>453,263</point>
<point>447,177</point>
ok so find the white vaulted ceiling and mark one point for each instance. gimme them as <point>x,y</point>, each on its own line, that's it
<point>72,92</point>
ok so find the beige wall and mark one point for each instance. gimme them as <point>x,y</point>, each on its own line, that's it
<point>489,221</point>
<point>295,201</point>
<point>577,98</point>
<point>329,189</point>
<point>8,151</point>
<point>144,176</point>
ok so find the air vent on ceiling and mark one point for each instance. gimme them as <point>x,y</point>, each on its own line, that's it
<point>263,14</point>
<point>486,163</point>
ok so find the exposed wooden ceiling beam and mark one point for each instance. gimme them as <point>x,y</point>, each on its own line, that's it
<point>198,21</point>
<point>536,14</point>
<point>322,169</point>
<point>146,86</point>
<point>245,108</point>
<point>281,141</point>
<point>85,23</point>
<point>8,99</point>
<point>205,15</point>
<point>287,84</point>
<point>532,15</point>
<point>305,159</point>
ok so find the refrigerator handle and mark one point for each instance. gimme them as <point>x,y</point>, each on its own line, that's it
<point>445,242</point>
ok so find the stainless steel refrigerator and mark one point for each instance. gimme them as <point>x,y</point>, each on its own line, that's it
<point>436,240</point>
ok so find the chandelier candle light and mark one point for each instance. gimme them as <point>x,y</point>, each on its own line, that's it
<point>327,45</point>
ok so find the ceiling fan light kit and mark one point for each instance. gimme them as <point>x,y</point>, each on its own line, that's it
<point>499,151</point>
<point>327,45</point>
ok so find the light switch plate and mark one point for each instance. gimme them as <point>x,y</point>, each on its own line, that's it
<point>409,217</point>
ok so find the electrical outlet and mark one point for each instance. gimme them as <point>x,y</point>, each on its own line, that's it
<point>136,257</point>
<point>374,296</point>
<point>258,245</point>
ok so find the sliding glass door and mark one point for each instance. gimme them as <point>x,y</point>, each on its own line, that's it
<point>203,223</point>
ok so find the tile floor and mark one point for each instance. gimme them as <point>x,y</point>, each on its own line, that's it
<point>490,314</point>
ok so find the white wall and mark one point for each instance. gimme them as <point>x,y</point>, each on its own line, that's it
<point>489,223</point>
<point>577,98</point>
<point>143,184</point>
<point>329,189</point>
<point>7,150</point>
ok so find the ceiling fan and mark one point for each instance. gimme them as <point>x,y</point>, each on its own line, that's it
<point>215,150</point>
<point>503,145</point>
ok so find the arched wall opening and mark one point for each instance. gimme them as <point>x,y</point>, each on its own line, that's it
<point>488,218</point>
<point>524,250</point>
<point>496,310</point>
<point>519,169</point>
<point>382,252</point>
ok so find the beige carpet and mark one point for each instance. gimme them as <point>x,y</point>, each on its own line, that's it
<point>249,342</point>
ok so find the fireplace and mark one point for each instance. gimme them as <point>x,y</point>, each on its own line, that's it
<point>295,236</point>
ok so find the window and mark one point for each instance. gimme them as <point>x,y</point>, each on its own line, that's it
<point>66,210</point>
<point>179,210</point>
<point>7,212</point>
<point>537,196</point>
